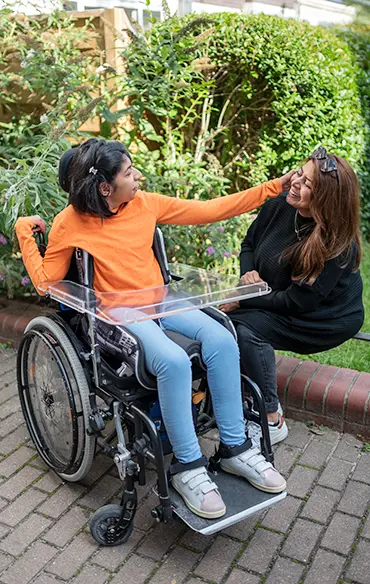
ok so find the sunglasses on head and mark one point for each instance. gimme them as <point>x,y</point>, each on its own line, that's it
<point>327,164</point>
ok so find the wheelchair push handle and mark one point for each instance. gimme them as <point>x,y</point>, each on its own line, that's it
<point>40,239</point>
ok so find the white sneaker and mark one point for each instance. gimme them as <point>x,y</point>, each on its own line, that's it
<point>278,431</point>
<point>252,466</point>
<point>200,494</point>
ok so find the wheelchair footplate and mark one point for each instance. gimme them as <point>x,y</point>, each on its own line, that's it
<point>241,500</point>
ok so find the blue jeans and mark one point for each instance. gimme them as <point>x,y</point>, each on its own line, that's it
<point>172,367</point>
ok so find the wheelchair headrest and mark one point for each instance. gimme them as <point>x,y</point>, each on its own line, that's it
<point>64,165</point>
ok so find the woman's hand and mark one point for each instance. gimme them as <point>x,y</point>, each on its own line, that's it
<point>252,277</point>
<point>38,223</point>
<point>230,306</point>
<point>285,180</point>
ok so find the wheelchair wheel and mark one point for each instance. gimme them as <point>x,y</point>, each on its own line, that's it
<point>103,520</point>
<point>54,395</point>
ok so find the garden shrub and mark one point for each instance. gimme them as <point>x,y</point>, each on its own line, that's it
<point>49,87</point>
<point>225,102</point>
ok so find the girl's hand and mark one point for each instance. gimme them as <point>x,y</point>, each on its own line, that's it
<point>38,224</point>
<point>252,277</point>
<point>230,306</point>
<point>285,180</point>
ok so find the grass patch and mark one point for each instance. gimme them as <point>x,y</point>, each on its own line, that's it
<point>352,354</point>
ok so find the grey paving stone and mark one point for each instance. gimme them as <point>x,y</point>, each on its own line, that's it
<point>366,530</point>
<point>302,540</point>
<point>102,492</point>
<point>359,567</point>
<point>285,572</point>
<point>112,557</point>
<point>252,558</point>
<point>12,463</point>
<point>5,560</point>
<point>21,507</point>
<point>67,526</point>
<point>11,423</point>
<point>49,482</point>
<point>157,543</point>
<point>45,579</point>
<point>17,541</point>
<point>335,474</point>
<point>176,567</point>
<point>301,480</point>
<point>325,569</point>
<point>356,499</point>
<point>362,471</point>
<point>4,530</point>
<point>349,448</point>
<point>238,576</point>
<point>100,466</point>
<point>316,453</point>
<point>285,457</point>
<point>196,541</point>
<point>28,565</point>
<point>320,504</point>
<point>14,440</point>
<point>14,486</point>
<point>243,529</point>
<point>10,407</point>
<point>299,434</point>
<point>92,575</point>
<point>143,518</point>
<point>340,535</point>
<point>73,556</point>
<point>61,500</point>
<point>280,517</point>
<point>135,571</point>
<point>218,559</point>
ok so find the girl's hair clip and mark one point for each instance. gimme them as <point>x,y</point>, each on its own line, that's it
<point>92,170</point>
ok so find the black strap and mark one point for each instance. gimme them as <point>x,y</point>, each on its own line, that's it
<point>177,466</point>
<point>230,451</point>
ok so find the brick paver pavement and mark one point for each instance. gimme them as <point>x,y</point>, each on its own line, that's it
<point>319,535</point>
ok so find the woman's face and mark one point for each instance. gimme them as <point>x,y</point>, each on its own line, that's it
<point>300,192</point>
<point>125,186</point>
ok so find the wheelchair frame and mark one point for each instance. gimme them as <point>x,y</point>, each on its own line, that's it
<point>128,408</point>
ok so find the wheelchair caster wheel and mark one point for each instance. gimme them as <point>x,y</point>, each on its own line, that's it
<point>102,525</point>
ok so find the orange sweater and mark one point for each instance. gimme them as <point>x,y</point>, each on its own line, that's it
<point>122,245</point>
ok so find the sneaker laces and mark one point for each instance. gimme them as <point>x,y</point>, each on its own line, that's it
<point>253,458</point>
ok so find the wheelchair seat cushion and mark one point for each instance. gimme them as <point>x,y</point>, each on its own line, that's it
<point>191,347</point>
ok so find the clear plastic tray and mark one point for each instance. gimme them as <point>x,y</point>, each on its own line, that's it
<point>192,288</point>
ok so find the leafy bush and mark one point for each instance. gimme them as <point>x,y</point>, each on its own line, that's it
<point>49,88</point>
<point>358,39</point>
<point>224,102</point>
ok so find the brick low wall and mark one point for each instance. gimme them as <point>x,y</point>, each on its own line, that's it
<point>331,396</point>
<point>335,397</point>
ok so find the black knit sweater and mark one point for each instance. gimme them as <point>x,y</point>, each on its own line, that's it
<point>333,302</point>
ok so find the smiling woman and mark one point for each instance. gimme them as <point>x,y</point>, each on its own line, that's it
<point>306,246</point>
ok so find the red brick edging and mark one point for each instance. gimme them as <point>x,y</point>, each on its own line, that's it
<point>331,396</point>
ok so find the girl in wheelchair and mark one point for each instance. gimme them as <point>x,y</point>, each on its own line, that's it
<point>111,219</point>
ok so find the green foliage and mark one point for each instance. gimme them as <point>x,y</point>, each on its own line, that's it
<point>358,39</point>
<point>49,85</point>
<point>222,103</point>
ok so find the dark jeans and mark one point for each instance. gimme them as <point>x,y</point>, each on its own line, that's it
<point>258,362</point>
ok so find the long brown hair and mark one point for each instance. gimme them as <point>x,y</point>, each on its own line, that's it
<point>335,209</point>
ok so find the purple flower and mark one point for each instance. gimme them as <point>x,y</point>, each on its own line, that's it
<point>3,239</point>
<point>2,278</point>
<point>25,280</point>
<point>222,229</point>
<point>227,254</point>
<point>210,250</point>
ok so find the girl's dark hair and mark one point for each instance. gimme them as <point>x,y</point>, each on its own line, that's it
<point>335,208</point>
<point>95,162</point>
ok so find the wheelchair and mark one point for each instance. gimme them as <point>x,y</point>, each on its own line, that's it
<point>79,394</point>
